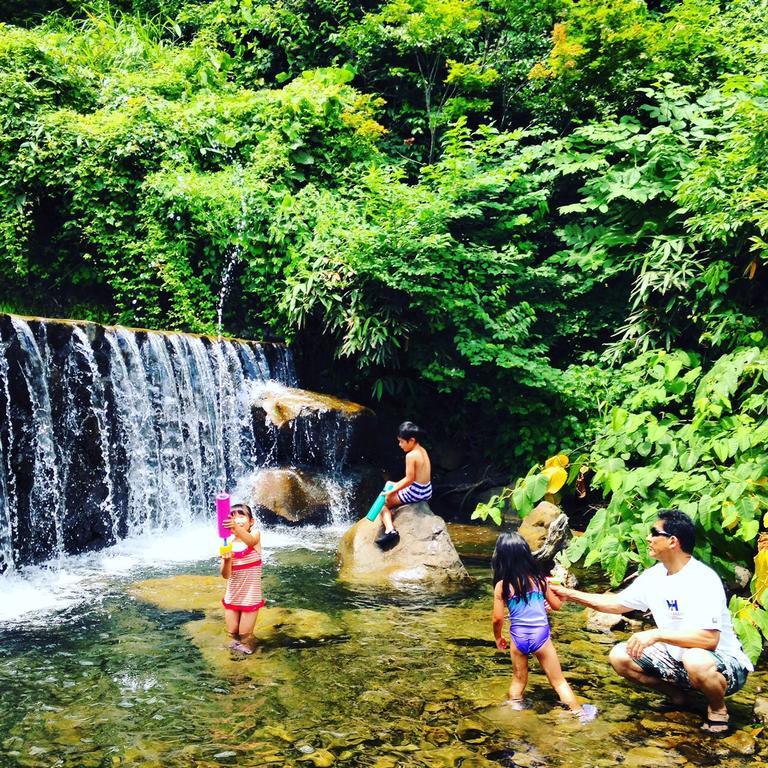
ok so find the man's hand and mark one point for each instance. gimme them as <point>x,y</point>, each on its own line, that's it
<point>501,643</point>
<point>391,499</point>
<point>640,641</point>
<point>561,591</point>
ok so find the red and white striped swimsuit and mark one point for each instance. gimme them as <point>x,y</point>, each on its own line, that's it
<point>244,585</point>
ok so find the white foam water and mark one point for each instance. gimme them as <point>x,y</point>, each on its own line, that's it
<point>39,594</point>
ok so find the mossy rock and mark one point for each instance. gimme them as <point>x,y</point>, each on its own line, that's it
<point>181,593</point>
<point>275,627</point>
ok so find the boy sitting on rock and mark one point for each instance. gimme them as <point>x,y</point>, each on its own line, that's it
<point>416,486</point>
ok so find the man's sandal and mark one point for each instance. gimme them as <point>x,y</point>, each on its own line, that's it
<point>716,727</point>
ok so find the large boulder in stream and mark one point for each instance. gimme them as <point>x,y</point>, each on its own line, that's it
<point>425,553</point>
<point>296,426</point>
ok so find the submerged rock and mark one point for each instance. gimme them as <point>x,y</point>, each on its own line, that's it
<point>425,552</point>
<point>181,593</point>
<point>546,530</point>
<point>740,742</point>
<point>275,627</point>
<point>473,730</point>
<point>597,621</point>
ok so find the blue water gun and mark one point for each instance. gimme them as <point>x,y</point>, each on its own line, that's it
<point>378,505</point>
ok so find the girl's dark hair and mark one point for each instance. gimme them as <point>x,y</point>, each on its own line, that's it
<point>408,430</point>
<point>243,508</point>
<point>514,565</point>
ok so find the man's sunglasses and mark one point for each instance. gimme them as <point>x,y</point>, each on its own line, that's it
<point>656,532</point>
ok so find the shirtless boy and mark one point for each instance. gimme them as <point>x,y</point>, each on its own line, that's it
<point>416,486</point>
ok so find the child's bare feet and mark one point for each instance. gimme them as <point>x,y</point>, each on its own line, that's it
<point>586,714</point>
<point>239,647</point>
<point>518,705</point>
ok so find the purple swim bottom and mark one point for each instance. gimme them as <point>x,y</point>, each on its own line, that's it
<point>529,639</point>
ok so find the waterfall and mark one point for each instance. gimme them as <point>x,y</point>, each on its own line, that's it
<point>7,489</point>
<point>106,432</point>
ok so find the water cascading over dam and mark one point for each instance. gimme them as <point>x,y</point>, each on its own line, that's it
<point>109,431</point>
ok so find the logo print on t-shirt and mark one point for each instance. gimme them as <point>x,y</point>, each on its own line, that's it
<point>672,605</point>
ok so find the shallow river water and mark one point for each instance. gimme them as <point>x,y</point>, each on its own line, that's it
<point>118,659</point>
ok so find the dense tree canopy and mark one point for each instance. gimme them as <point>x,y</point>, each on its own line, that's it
<point>496,215</point>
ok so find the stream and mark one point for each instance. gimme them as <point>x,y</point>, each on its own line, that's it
<point>118,658</point>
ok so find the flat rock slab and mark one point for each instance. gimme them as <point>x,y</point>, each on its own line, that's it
<point>424,555</point>
<point>275,627</point>
<point>181,593</point>
<point>282,404</point>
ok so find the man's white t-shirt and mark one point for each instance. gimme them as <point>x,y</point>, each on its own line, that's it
<point>693,598</point>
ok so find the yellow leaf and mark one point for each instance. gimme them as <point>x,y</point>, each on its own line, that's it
<point>730,516</point>
<point>561,460</point>
<point>556,477</point>
<point>760,580</point>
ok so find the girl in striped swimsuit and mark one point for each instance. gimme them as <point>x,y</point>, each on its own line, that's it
<point>242,570</point>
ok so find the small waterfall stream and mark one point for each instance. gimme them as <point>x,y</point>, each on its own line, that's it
<point>107,431</point>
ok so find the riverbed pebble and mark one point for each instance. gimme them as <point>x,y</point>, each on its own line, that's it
<point>761,709</point>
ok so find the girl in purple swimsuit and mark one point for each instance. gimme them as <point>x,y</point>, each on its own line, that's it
<point>522,590</point>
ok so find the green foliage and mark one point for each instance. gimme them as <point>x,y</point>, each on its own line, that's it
<point>685,437</point>
<point>141,159</point>
<point>603,51</point>
<point>455,206</point>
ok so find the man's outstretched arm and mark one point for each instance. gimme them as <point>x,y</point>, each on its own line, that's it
<point>604,603</point>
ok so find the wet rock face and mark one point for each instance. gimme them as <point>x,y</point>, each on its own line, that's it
<point>761,709</point>
<point>310,429</point>
<point>425,553</point>
<point>546,530</point>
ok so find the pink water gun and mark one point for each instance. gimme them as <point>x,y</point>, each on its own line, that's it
<point>223,513</point>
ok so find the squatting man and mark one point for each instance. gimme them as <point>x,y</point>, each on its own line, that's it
<point>694,645</point>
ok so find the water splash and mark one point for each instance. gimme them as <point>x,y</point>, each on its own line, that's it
<point>231,259</point>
